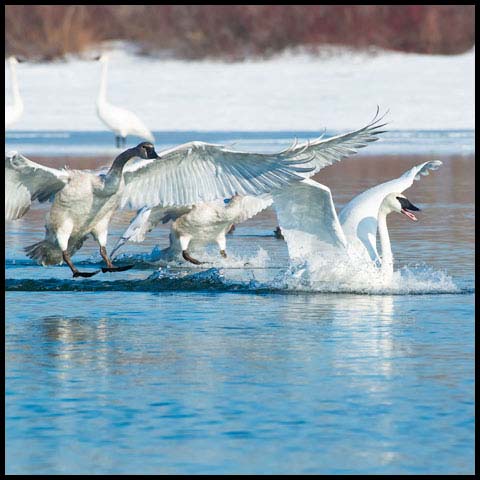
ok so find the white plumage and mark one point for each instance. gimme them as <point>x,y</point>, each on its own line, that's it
<point>13,112</point>
<point>203,224</point>
<point>121,121</point>
<point>311,227</point>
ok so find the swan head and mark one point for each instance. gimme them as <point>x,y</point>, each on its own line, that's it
<point>397,202</point>
<point>103,58</point>
<point>146,150</point>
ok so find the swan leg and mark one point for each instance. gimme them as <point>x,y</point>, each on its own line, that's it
<point>117,141</point>
<point>278,233</point>
<point>110,267</point>
<point>63,236</point>
<point>222,244</point>
<point>73,268</point>
<point>190,259</point>
<point>231,229</point>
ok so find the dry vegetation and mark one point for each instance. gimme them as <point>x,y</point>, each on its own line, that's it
<point>235,32</point>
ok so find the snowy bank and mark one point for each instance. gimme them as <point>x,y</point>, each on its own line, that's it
<point>289,92</point>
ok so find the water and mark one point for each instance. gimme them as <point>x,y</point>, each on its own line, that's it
<point>227,368</point>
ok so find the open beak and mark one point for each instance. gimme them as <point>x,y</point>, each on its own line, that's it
<point>407,208</point>
<point>410,215</point>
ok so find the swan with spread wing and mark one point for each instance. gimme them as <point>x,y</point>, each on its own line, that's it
<point>310,224</point>
<point>210,221</point>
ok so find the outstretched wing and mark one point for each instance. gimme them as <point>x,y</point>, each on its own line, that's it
<point>334,149</point>
<point>26,181</point>
<point>199,172</point>
<point>306,214</point>
<point>359,216</point>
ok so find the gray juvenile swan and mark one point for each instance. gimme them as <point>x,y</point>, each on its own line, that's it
<point>83,203</point>
<point>204,223</point>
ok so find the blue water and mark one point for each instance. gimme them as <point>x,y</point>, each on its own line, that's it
<point>230,368</point>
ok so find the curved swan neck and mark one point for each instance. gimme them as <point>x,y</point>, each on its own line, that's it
<point>387,256</point>
<point>121,160</point>
<point>17,99</point>
<point>102,92</point>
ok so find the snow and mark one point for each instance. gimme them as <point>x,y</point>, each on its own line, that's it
<point>288,92</point>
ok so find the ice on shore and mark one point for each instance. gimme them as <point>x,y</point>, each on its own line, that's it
<point>288,92</point>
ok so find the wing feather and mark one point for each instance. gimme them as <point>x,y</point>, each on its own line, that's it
<point>198,172</point>
<point>306,214</point>
<point>26,181</point>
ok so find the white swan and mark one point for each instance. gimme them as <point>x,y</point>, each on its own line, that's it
<point>120,120</point>
<point>13,112</point>
<point>209,222</point>
<point>311,227</point>
<point>84,201</point>
<point>204,223</point>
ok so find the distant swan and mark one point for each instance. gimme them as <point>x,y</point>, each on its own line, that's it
<point>13,112</point>
<point>308,220</point>
<point>209,222</point>
<point>120,120</point>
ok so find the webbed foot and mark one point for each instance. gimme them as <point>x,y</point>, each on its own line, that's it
<point>85,274</point>
<point>116,269</point>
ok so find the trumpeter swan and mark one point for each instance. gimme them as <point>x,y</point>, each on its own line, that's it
<point>120,120</point>
<point>204,223</point>
<point>83,203</point>
<point>13,112</point>
<point>209,222</point>
<point>310,224</point>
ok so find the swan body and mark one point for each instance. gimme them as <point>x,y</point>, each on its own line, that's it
<point>201,224</point>
<point>83,203</point>
<point>209,222</point>
<point>121,121</point>
<point>13,112</point>
<point>310,224</point>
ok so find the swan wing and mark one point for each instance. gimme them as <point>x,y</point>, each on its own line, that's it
<point>323,152</point>
<point>26,181</point>
<point>306,214</point>
<point>249,206</point>
<point>198,172</point>
<point>359,216</point>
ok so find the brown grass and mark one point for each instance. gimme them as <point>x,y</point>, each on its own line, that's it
<point>236,32</point>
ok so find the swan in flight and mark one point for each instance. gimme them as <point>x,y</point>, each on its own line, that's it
<point>210,222</point>
<point>84,201</point>
<point>120,120</point>
<point>203,223</point>
<point>13,112</point>
<point>310,224</point>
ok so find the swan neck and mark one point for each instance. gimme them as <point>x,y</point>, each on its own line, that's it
<point>17,99</point>
<point>102,93</point>
<point>387,256</point>
<point>121,160</point>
